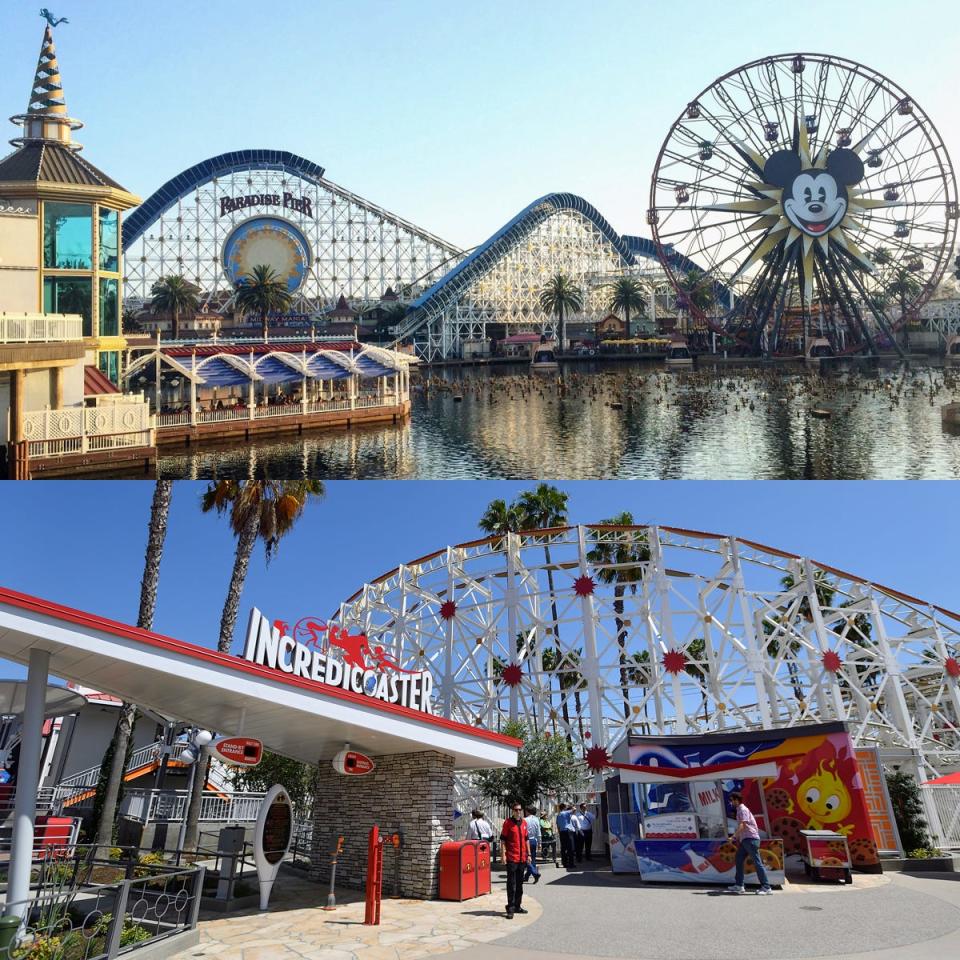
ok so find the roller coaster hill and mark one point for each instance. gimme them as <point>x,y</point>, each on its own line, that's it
<point>798,196</point>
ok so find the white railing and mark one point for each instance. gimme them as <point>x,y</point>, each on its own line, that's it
<point>148,805</point>
<point>946,800</point>
<point>269,412</point>
<point>40,327</point>
<point>83,429</point>
<point>85,779</point>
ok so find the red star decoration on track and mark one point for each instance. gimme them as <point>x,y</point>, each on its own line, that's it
<point>674,661</point>
<point>831,661</point>
<point>952,667</point>
<point>512,675</point>
<point>597,758</point>
<point>584,586</point>
<point>448,609</point>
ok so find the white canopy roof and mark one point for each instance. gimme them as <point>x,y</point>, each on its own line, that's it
<point>296,717</point>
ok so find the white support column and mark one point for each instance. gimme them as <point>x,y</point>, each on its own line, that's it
<point>511,604</point>
<point>667,640</point>
<point>448,668</point>
<point>754,653</point>
<point>823,638</point>
<point>193,396</point>
<point>250,390</point>
<point>28,777</point>
<point>590,665</point>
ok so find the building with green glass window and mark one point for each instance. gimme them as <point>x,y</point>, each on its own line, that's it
<point>60,223</point>
<point>61,268</point>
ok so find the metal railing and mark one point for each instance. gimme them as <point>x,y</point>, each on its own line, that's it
<point>40,327</point>
<point>183,417</point>
<point>84,429</point>
<point>85,779</point>
<point>70,919</point>
<point>946,801</point>
<point>146,806</point>
<point>61,836</point>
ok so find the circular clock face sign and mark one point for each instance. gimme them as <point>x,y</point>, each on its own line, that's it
<point>270,241</point>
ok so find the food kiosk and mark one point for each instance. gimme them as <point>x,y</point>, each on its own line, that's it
<point>670,820</point>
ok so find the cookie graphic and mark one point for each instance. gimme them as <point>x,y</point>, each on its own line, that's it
<point>727,852</point>
<point>831,862</point>
<point>838,848</point>
<point>788,829</point>
<point>863,852</point>
<point>778,799</point>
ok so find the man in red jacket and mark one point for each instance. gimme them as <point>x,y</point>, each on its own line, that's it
<point>515,853</point>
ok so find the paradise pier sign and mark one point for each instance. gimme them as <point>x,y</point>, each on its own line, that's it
<point>361,668</point>
<point>287,200</point>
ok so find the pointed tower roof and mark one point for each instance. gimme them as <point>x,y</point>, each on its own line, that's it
<point>47,153</point>
<point>46,119</point>
<point>342,309</point>
<point>389,296</point>
<point>47,95</point>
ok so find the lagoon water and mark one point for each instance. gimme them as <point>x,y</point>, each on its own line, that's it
<point>632,420</point>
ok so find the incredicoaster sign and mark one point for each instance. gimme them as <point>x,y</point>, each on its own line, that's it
<point>362,669</point>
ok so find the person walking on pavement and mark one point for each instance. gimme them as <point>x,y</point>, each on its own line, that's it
<point>567,831</point>
<point>548,838</point>
<point>578,823</point>
<point>747,838</point>
<point>515,853</point>
<point>533,838</point>
<point>587,819</point>
<point>480,828</point>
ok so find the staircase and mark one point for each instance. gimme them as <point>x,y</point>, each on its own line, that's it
<point>81,786</point>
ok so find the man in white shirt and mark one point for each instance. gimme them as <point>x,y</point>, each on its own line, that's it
<point>587,819</point>
<point>533,839</point>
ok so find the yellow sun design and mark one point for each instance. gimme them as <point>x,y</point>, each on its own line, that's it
<point>772,217</point>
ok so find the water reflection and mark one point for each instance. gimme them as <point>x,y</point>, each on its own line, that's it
<point>632,421</point>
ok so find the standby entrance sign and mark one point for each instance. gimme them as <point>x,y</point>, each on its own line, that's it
<point>361,668</point>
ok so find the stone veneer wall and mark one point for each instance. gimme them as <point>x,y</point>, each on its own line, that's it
<point>412,791</point>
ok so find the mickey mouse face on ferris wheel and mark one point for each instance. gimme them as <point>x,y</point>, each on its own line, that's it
<point>814,200</point>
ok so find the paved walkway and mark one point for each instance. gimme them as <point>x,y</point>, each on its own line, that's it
<point>295,928</point>
<point>594,915</point>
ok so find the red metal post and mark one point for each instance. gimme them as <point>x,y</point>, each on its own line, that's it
<point>374,876</point>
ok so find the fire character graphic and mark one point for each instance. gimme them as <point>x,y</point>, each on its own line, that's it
<point>825,800</point>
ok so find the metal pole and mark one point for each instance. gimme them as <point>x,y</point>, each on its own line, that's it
<point>28,777</point>
<point>183,823</point>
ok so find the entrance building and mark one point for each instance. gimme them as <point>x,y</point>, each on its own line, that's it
<point>300,702</point>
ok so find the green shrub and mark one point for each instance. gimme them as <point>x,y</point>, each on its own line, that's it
<point>908,811</point>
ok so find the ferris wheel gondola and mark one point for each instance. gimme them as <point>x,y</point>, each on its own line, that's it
<point>803,196</point>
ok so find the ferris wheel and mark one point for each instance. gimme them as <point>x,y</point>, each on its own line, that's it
<point>804,194</point>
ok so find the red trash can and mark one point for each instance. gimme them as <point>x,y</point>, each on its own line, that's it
<point>483,867</point>
<point>458,870</point>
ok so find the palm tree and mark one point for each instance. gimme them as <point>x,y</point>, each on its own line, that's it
<point>696,292</point>
<point>627,295</point>
<point>560,296</point>
<point>904,287</point>
<point>698,668</point>
<point>640,675</point>
<point>261,291</point>
<point>115,759</point>
<point>174,295</point>
<point>500,519</point>
<point>617,561</point>
<point>259,509</point>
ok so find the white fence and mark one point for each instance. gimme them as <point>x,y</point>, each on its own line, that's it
<point>148,805</point>
<point>946,800</point>
<point>40,327</point>
<point>51,433</point>
<point>85,779</point>
<point>183,418</point>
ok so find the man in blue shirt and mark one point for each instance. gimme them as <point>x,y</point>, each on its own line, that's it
<point>568,831</point>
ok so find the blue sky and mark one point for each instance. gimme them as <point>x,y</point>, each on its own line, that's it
<point>452,115</point>
<point>82,543</point>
